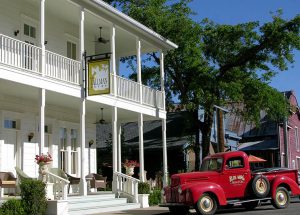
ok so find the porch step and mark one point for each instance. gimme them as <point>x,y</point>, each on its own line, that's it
<point>93,204</point>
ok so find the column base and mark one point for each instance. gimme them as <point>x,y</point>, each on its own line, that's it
<point>83,187</point>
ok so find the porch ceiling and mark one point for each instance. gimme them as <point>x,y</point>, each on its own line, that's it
<point>27,94</point>
<point>68,11</point>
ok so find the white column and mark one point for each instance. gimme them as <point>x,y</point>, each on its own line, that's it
<point>119,147</point>
<point>42,68</point>
<point>165,159</point>
<point>113,59</point>
<point>139,67</point>
<point>69,160</point>
<point>42,36</point>
<point>162,71</point>
<point>83,185</point>
<point>141,147</point>
<point>42,95</point>
<point>162,77</point>
<point>114,145</point>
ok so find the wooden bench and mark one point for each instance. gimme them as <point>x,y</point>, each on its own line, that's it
<point>7,180</point>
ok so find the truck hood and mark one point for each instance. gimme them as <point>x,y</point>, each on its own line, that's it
<point>184,178</point>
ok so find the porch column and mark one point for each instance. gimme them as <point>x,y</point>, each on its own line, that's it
<point>69,160</point>
<point>42,37</point>
<point>114,146</point>
<point>113,59</point>
<point>162,76</point>
<point>165,159</point>
<point>42,95</point>
<point>42,92</point>
<point>119,147</point>
<point>141,147</point>
<point>139,68</point>
<point>83,184</point>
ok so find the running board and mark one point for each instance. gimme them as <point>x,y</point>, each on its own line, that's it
<point>232,202</point>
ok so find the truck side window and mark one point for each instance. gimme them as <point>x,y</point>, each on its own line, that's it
<point>236,162</point>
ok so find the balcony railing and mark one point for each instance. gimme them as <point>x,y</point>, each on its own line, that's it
<point>19,54</point>
<point>27,57</point>
<point>62,68</point>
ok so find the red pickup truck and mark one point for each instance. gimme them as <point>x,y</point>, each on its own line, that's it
<point>226,180</point>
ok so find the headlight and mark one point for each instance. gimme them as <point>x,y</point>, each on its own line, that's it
<point>179,190</point>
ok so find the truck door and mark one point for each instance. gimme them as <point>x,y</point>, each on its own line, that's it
<point>235,178</point>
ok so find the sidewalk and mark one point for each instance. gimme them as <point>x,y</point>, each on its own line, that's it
<point>141,211</point>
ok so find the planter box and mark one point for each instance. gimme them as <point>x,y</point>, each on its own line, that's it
<point>144,200</point>
<point>57,207</point>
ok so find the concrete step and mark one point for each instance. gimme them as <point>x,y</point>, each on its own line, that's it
<point>103,209</point>
<point>100,203</point>
<point>97,203</point>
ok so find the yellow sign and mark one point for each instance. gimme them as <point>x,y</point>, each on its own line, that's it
<point>98,77</point>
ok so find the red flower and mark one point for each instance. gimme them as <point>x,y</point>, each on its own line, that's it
<point>42,159</point>
<point>131,163</point>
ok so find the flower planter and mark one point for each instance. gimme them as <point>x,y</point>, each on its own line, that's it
<point>130,170</point>
<point>144,200</point>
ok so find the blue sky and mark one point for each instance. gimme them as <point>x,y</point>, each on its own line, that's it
<point>238,11</point>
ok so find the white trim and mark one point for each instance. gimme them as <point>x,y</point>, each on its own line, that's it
<point>296,133</point>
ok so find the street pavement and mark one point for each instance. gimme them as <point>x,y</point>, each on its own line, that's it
<point>293,209</point>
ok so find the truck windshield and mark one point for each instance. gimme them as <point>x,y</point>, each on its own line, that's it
<point>213,164</point>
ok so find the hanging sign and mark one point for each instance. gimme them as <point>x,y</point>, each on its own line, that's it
<point>98,77</point>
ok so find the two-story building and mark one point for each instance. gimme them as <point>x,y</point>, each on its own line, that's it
<point>277,142</point>
<point>59,66</point>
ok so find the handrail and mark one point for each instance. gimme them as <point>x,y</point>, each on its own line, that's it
<point>60,186</point>
<point>127,186</point>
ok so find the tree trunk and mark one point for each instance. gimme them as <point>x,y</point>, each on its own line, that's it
<point>197,141</point>
<point>206,132</point>
<point>221,137</point>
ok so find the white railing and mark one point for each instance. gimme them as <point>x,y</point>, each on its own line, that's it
<point>127,186</point>
<point>152,97</point>
<point>62,68</point>
<point>60,186</point>
<point>19,54</point>
<point>127,89</point>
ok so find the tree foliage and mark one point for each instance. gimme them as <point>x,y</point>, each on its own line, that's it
<point>223,65</point>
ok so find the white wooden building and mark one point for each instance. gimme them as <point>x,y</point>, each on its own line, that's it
<point>43,107</point>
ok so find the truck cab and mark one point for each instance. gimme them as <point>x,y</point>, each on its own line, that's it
<point>225,179</point>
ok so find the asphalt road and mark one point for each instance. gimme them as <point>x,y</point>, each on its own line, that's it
<point>294,208</point>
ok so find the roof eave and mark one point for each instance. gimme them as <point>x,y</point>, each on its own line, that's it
<point>165,43</point>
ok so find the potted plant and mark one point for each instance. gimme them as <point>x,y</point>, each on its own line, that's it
<point>144,191</point>
<point>129,166</point>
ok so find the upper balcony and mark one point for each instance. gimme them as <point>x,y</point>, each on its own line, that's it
<point>26,57</point>
<point>69,27</point>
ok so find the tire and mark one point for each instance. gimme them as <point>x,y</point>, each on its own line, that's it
<point>250,205</point>
<point>282,198</point>
<point>260,186</point>
<point>206,204</point>
<point>178,210</point>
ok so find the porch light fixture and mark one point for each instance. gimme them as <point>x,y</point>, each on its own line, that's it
<point>91,142</point>
<point>16,32</point>
<point>101,121</point>
<point>30,136</point>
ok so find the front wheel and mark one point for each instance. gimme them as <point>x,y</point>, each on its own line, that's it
<point>175,210</point>
<point>206,205</point>
<point>282,198</point>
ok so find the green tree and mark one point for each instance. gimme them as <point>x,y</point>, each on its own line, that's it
<point>223,65</point>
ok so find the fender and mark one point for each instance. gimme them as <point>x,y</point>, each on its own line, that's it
<point>285,180</point>
<point>197,189</point>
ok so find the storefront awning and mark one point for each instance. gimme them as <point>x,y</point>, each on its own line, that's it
<point>259,145</point>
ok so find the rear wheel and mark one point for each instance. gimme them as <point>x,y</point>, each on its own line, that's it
<point>178,210</point>
<point>250,205</point>
<point>206,205</point>
<point>260,186</point>
<point>282,198</point>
